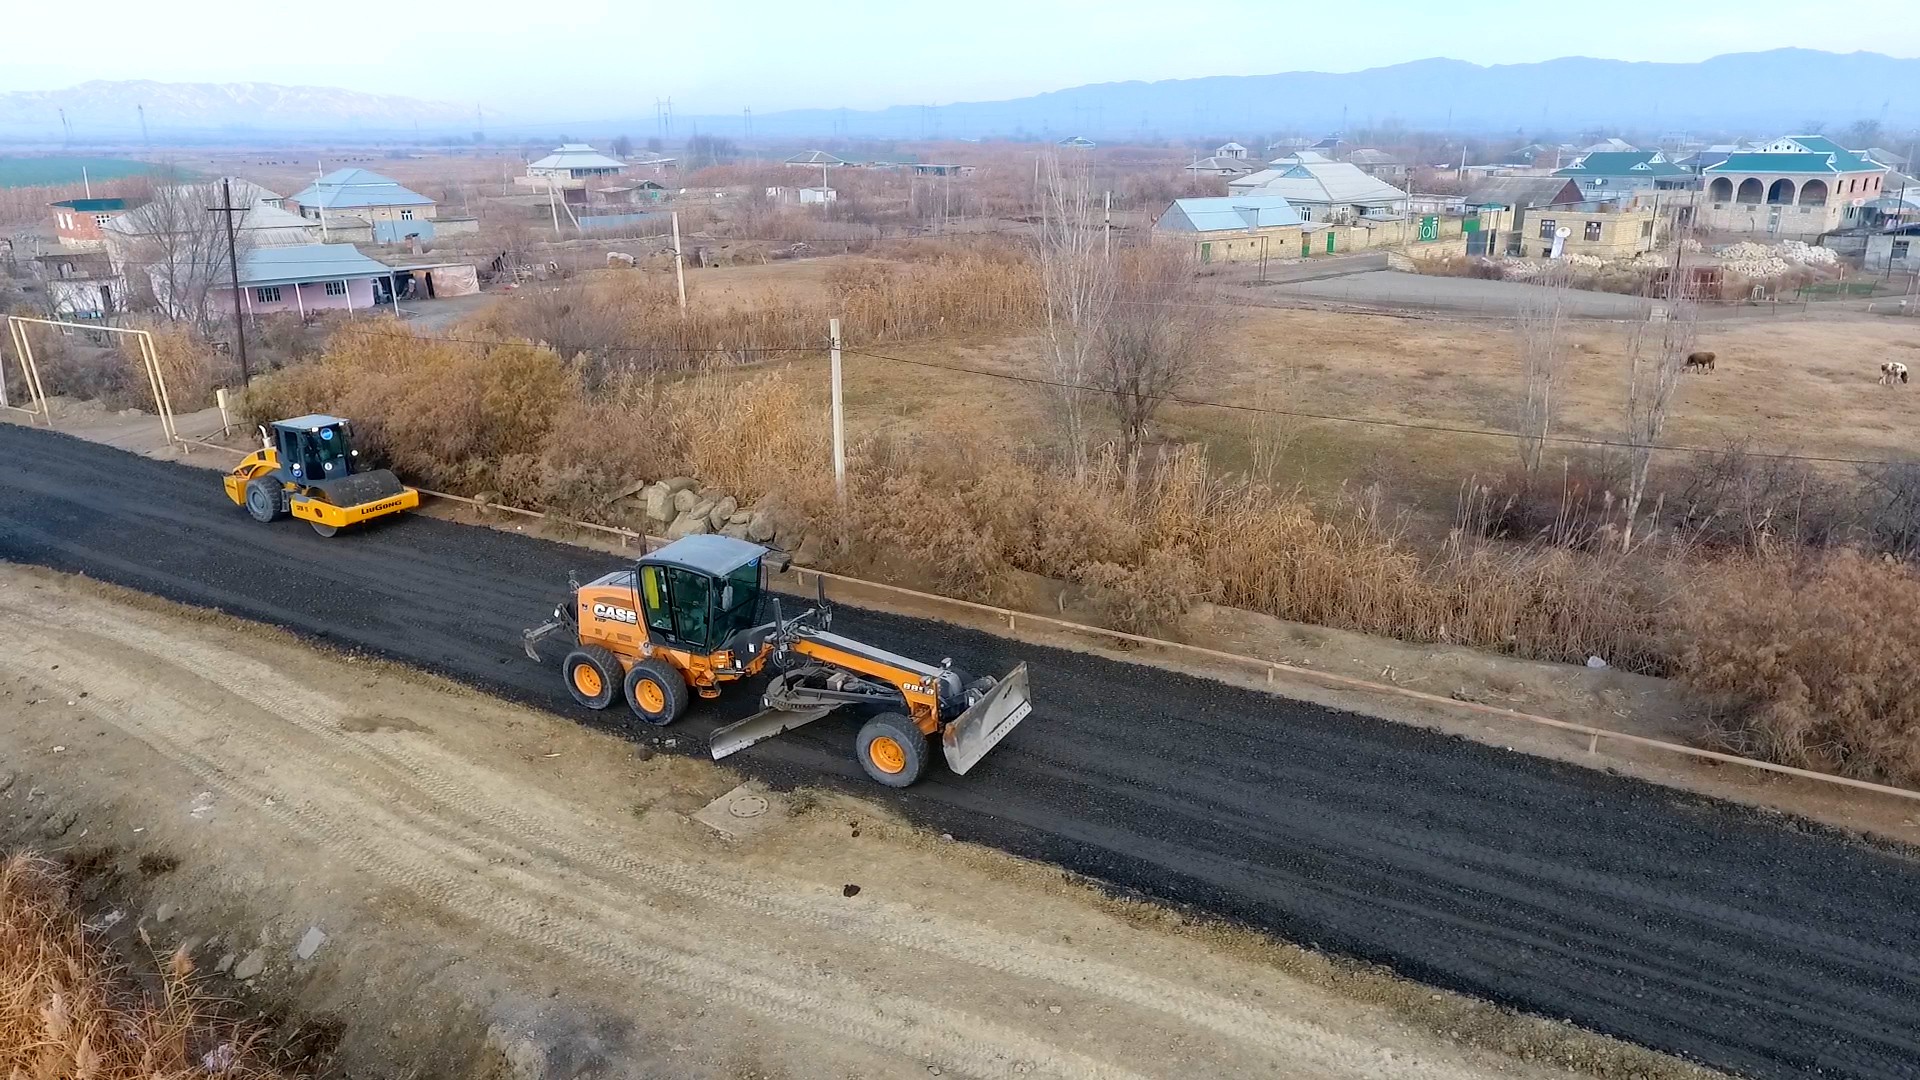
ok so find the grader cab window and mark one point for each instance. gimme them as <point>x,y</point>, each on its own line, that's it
<point>738,606</point>
<point>689,591</point>
<point>653,589</point>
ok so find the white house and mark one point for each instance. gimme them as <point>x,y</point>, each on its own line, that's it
<point>1326,191</point>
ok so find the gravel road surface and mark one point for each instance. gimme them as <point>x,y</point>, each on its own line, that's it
<point>1748,943</point>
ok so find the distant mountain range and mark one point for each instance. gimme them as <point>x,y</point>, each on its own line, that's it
<point>103,110</point>
<point>1759,94</point>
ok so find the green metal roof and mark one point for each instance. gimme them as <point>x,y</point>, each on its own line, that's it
<point>1819,144</point>
<point>1622,163</point>
<point>1823,162</point>
<point>96,205</point>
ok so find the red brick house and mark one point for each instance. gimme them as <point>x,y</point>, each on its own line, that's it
<point>77,221</point>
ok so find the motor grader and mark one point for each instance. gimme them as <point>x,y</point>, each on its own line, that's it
<point>307,466</point>
<point>684,621</point>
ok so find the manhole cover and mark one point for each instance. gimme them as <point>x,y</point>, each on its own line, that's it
<point>747,806</point>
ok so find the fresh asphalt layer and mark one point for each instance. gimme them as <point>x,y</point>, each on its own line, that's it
<point>1750,943</point>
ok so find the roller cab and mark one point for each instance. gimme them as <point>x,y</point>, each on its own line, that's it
<point>307,468</point>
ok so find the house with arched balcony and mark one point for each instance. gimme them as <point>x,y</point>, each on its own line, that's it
<point>1798,186</point>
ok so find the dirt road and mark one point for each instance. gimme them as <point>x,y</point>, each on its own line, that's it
<point>1679,923</point>
<point>479,867</point>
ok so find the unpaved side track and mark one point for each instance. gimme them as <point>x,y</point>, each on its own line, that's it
<point>1676,922</point>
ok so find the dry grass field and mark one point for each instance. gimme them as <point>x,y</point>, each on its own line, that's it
<point>1805,383</point>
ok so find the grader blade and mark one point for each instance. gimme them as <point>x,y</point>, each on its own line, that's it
<point>762,726</point>
<point>978,730</point>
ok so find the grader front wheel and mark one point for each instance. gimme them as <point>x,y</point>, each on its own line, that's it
<point>892,749</point>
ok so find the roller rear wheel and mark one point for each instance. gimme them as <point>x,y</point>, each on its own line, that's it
<point>264,496</point>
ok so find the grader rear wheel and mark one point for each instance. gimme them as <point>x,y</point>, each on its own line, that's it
<point>593,676</point>
<point>656,692</point>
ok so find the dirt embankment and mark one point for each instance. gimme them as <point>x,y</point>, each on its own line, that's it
<point>457,887</point>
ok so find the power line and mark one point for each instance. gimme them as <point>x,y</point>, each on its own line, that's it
<point>1446,429</point>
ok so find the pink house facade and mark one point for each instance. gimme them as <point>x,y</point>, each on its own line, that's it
<point>302,278</point>
<point>302,297</point>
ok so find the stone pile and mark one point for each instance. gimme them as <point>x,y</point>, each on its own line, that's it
<point>679,506</point>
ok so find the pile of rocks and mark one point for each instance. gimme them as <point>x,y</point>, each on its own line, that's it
<point>1799,251</point>
<point>1757,262</point>
<point>679,507</point>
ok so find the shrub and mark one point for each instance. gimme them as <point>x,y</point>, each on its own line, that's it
<point>67,1009</point>
<point>1819,660</point>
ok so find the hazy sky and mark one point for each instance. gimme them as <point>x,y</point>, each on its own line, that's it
<point>565,61</point>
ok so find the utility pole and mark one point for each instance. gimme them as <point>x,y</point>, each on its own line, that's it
<point>233,276</point>
<point>1106,228</point>
<point>680,264</point>
<point>320,172</point>
<point>146,142</point>
<point>839,416</point>
<point>85,182</point>
<point>553,208</point>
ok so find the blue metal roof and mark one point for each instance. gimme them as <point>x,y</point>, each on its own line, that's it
<point>296,263</point>
<point>397,232</point>
<point>349,189</point>
<point>1231,212</point>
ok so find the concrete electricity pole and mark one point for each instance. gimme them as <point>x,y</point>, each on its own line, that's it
<point>1106,227</point>
<point>839,416</point>
<point>679,264</point>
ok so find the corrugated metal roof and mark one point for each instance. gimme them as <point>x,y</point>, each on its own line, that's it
<point>1370,156</point>
<point>1845,160</point>
<point>1637,163</point>
<point>352,189</point>
<point>1522,192</point>
<point>1227,213</point>
<point>262,220</point>
<point>307,262</point>
<point>91,206</point>
<point>577,156</point>
<point>1220,164</point>
<point>1778,162</point>
<point>1327,182</point>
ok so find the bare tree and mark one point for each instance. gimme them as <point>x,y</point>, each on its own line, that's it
<point>1158,335</point>
<point>1079,282</point>
<point>1656,358</point>
<point>1541,336</point>
<point>179,248</point>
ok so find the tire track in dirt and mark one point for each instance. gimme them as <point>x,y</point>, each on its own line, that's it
<point>398,763</point>
<point>1682,924</point>
<point>895,926</point>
